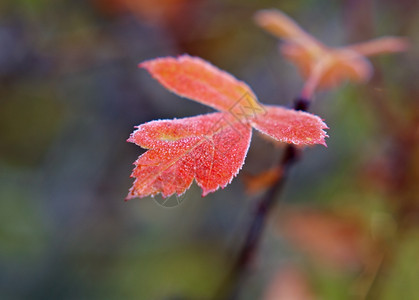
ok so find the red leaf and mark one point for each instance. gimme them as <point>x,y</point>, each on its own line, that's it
<point>289,283</point>
<point>339,241</point>
<point>291,126</point>
<point>209,148</point>
<point>309,54</point>
<point>195,79</point>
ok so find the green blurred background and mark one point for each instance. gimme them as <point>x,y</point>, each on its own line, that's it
<point>71,93</point>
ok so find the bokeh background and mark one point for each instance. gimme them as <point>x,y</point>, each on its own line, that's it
<point>71,93</point>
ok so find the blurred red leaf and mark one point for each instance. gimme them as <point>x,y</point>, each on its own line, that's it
<point>261,181</point>
<point>323,66</point>
<point>289,284</point>
<point>209,148</point>
<point>337,241</point>
<point>154,11</point>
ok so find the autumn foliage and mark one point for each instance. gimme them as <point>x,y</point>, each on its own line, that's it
<point>323,66</point>
<point>209,148</point>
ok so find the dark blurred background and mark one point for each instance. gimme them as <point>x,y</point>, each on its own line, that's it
<point>71,93</point>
